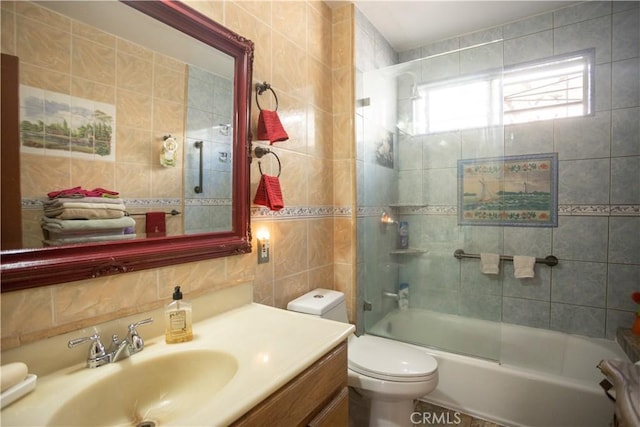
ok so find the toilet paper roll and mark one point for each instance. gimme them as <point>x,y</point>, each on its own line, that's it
<point>11,374</point>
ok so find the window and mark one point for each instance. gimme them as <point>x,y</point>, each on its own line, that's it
<point>553,88</point>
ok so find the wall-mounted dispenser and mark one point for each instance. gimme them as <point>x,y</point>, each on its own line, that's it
<point>168,152</point>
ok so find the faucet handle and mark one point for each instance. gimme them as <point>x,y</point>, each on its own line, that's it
<point>96,349</point>
<point>135,340</point>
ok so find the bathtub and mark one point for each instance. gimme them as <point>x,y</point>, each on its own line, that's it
<point>509,374</point>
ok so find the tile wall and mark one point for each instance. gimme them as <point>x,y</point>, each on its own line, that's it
<point>305,51</point>
<point>597,242</point>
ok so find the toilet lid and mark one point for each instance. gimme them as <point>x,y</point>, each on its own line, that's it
<point>391,360</point>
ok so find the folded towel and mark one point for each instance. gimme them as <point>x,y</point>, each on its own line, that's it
<point>86,214</point>
<point>53,211</point>
<point>87,239</point>
<point>270,128</point>
<point>71,225</point>
<point>59,201</point>
<point>78,192</point>
<point>523,266</point>
<point>489,263</point>
<point>269,193</point>
<point>156,225</point>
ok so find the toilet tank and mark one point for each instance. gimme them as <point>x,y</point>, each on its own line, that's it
<point>325,303</point>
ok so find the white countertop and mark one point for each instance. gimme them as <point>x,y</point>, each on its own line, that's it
<point>271,347</point>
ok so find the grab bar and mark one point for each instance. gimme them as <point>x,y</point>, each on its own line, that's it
<point>198,188</point>
<point>549,260</point>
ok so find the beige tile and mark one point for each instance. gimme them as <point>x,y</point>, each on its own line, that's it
<point>130,48</point>
<point>290,288</point>
<point>193,277</point>
<point>343,136</point>
<point>291,73</point>
<point>319,34</point>
<point>343,183</point>
<point>166,182</point>
<point>40,175</point>
<point>94,91</point>
<point>43,46</point>
<point>212,9</point>
<point>320,182</point>
<point>319,133</point>
<point>343,90</point>
<point>168,117</point>
<point>42,15</point>
<point>290,20</point>
<point>8,32</point>
<point>343,240</point>
<point>93,34</point>
<point>169,84</point>
<point>31,230</point>
<point>133,180</point>
<point>289,248</point>
<point>134,73</point>
<point>321,242</point>
<point>260,9</point>
<point>342,48</point>
<point>293,178</point>
<point>87,299</point>
<point>93,61</point>
<point>93,174</point>
<point>321,277</point>
<point>134,145</point>
<point>44,78</point>
<point>134,109</point>
<point>321,93</point>
<point>26,311</point>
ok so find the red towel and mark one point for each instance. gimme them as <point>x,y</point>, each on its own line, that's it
<point>269,193</point>
<point>270,128</point>
<point>155,224</point>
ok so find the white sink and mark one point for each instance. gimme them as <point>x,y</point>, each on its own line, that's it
<point>158,391</point>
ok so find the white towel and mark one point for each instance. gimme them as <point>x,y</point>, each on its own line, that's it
<point>489,263</point>
<point>523,266</point>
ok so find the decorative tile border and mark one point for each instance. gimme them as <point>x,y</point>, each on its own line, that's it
<point>37,203</point>
<point>262,213</point>
<point>563,210</point>
<point>207,202</point>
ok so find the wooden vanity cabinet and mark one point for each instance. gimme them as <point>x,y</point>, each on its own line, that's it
<point>318,397</point>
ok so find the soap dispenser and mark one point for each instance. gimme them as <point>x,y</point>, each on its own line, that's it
<point>178,327</point>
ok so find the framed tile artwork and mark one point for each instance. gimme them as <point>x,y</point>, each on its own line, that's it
<point>509,191</point>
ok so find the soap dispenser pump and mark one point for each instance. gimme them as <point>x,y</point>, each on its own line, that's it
<point>178,326</point>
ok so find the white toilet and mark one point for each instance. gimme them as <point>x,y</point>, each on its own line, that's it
<point>390,373</point>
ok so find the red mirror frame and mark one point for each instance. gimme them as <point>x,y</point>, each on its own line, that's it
<point>29,268</point>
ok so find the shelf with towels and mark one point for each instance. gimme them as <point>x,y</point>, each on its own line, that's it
<point>549,260</point>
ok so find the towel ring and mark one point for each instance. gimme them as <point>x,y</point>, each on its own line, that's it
<point>260,89</point>
<point>260,152</point>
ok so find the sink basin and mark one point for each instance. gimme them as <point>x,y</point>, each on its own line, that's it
<point>157,391</point>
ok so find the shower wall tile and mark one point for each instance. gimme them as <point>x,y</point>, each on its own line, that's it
<point>410,187</point>
<point>537,288</point>
<point>625,81</point>
<point>526,312</point>
<point>535,24</point>
<point>623,280</point>
<point>483,306</point>
<point>580,283</point>
<point>439,301</point>
<point>575,319</point>
<point>624,244</point>
<point>583,137</point>
<point>410,156</point>
<point>625,34</point>
<point>439,186</point>
<point>531,241</point>
<point>441,150</point>
<point>584,181</point>
<point>528,48</point>
<point>584,35</point>
<point>474,282</point>
<point>625,180</point>
<point>440,67</point>
<point>625,132</point>
<point>581,12</point>
<point>482,142</point>
<point>616,319</point>
<point>482,58</point>
<point>581,239</point>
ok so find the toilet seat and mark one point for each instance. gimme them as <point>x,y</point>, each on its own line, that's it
<point>389,360</point>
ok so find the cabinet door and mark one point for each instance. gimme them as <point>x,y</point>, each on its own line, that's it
<point>336,413</point>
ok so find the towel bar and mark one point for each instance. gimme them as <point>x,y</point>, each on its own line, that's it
<point>549,260</point>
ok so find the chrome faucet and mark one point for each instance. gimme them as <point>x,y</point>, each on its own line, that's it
<point>118,350</point>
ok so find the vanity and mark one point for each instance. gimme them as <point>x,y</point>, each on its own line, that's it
<point>248,364</point>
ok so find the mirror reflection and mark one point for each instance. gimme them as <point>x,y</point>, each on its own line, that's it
<point>145,115</point>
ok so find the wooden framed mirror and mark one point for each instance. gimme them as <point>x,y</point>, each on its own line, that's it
<point>32,267</point>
